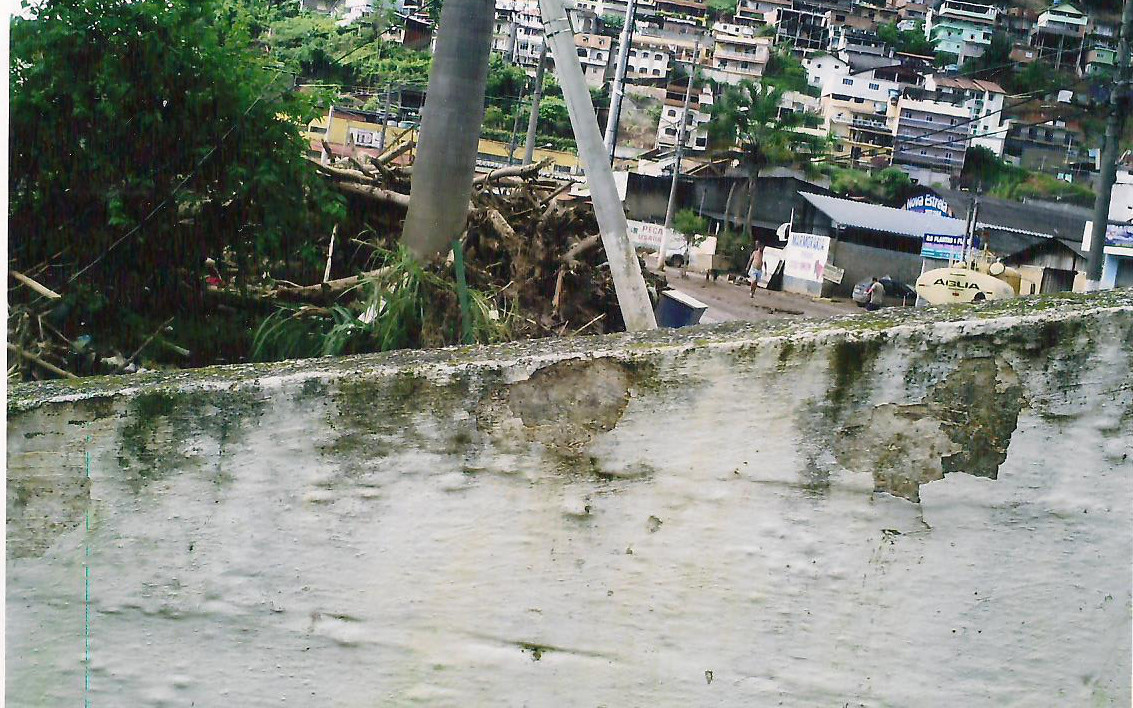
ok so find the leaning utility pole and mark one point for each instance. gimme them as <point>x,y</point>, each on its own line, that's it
<point>533,119</point>
<point>618,88</point>
<point>1117,100</point>
<point>515,128</point>
<point>677,164</point>
<point>629,284</point>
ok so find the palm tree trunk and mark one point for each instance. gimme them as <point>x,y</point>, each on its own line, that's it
<point>450,128</point>
<point>728,207</point>
<point>750,205</point>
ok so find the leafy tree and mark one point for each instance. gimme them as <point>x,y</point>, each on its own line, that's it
<point>611,25</point>
<point>995,61</point>
<point>146,135</point>
<point>748,115</point>
<point>505,82</point>
<point>785,71</point>
<point>890,186</point>
<point>911,41</point>
<point>687,223</point>
<point>723,9</point>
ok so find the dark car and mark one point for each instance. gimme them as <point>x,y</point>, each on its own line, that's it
<point>896,292</point>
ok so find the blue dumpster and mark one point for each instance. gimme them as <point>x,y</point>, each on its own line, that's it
<point>676,309</point>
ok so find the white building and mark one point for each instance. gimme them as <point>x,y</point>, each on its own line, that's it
<point>518,31</point>
<point>649,57</point>
<point>595,54</point>
<point>821,67</point>
<point>696,120</point>
<point>983,100</point>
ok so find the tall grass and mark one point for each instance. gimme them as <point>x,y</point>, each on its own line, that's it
<point>405,305</point>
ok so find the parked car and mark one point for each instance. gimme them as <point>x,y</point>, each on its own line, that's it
<point>896,293</point>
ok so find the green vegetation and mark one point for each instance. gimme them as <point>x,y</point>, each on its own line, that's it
<point>748,115</point>
<point>406,306</point>
<point>890,186</point>
<point>911,41</point>
<point>687,223</point>
<point>986,172</point>
<point>178,144</point>
<point>786,72</point>
<point>723,9</point>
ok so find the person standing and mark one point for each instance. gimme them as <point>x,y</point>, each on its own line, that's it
<point>874,294</point>
<point>755,267</point>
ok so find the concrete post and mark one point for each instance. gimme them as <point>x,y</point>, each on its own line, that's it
<point>1113,128</point>
<point>533,119</point>
<point>671,208</point>
<point>618,88</point>
<point>628,280</point>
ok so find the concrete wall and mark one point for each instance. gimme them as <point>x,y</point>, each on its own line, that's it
<point>920,508</point>
<point>862,262</point>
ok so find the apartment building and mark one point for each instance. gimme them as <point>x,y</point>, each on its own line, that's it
<point>855,112</point>
<point>804,31</point>
<point>961,28</point>
<point>518,31</point>
<point>696,10</point>
<point>736,57</point>
<point>1046,144</point>
<point>649,57</point>
<point>930,138</point>
<point>756,13</point>
<point>696,119</point>
<point>595,54</point>
<point>1059,35</point>
<point>983,101</point>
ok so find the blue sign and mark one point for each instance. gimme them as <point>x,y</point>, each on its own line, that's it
<point>945,247</point>
<point>928,204</point>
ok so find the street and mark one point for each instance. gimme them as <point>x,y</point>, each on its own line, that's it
<point>728,302</point>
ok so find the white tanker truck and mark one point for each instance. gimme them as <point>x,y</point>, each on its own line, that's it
<point>978,278</point>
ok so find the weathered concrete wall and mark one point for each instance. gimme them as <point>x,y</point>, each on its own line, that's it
<point>897,510</point>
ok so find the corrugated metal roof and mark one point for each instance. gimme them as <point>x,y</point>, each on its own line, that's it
<point>881,218</point>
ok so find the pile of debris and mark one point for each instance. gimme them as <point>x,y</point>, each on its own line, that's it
<point>531,250</point>
<point>528,242</point>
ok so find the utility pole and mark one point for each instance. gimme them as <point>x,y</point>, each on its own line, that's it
<point>533,119</point>
<point>515,128</point>
<point>1113,127</point>
<point>629,284</point>
<point>618,88</point>
<point>677,163</point>
<point>385,118</point>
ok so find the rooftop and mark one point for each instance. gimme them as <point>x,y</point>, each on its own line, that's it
<point>881,218</point>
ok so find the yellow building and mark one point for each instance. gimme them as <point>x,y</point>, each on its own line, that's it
<point>352,132</point>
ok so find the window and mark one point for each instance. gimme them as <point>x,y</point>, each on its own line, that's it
<point>743,64</point>
<point>582,52</point>
<point>658,57</point>
<point>633,52</point>
<point>316,129</point>
<point>923,152</point>
<point>847,82</point>
<point>656,72</point>
<point>906,114</point>
<point>672,112</point>
<point>875,87</point>
<point>670,131</point>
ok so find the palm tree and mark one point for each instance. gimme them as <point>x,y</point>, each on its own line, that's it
<point>748,116</point>
<point>450,128</point>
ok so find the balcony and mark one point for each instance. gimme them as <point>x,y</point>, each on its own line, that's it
<point>876,126</point>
